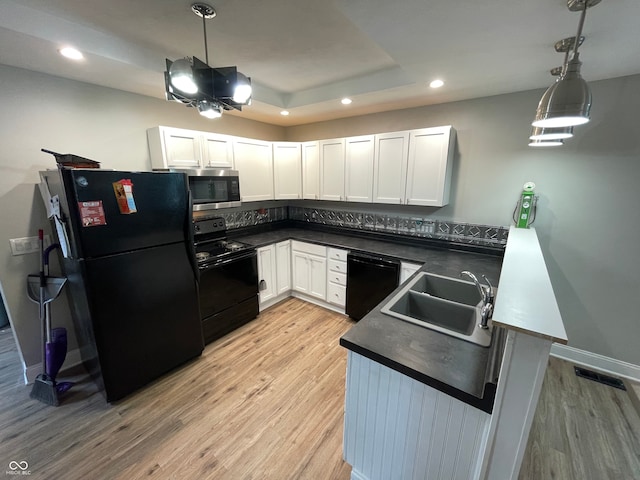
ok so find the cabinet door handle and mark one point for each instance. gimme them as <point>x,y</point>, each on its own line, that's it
<point>262,285</point>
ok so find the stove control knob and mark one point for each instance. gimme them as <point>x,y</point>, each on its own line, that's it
<point>196,228</point>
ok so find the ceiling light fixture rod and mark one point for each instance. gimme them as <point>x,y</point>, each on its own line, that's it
<point>206,49</point>
<point>579,34</point>
<point>205,12</point>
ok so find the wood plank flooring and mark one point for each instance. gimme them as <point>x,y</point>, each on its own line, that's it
<point>582,430</point>
<point>266,402</point>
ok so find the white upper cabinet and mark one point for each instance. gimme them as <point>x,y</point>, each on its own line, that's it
<point>332,158</point>
<point>174,148</point>
<point>359,168</point>
<point>287,170</point>
<point>217,150</point>
<point>390,167</point>
<point>403,168</point>
<point>254,162</point>
<point>311,170</point>
<point>429,166</point>
<point>179,148</point>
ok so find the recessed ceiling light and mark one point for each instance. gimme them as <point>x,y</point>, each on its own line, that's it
<point>346,101</point>
<point>284,112</point>
<point>71,53</point>
<point>436,84</point>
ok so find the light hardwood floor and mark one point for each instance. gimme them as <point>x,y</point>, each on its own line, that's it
<point>266,402</point>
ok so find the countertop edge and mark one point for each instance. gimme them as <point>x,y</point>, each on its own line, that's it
<point>485,403</point>
<point>526,301</point>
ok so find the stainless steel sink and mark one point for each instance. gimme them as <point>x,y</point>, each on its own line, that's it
<point>443,304</point>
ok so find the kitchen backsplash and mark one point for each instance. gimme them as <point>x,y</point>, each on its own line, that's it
<point>486,235</point>
<point>249,218</point>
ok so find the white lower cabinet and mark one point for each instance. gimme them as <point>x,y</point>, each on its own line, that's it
<point>337,277</point>
<point>274,272</point>
<point>399,428</point>
<point>309,269</point>
<point>267,273</point>
<point>283,267</point>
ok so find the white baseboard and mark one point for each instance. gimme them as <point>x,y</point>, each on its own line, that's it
<point>355,475</point>
<point>316,301</point>
<point>598,362</point>
<point>274,300</point>
<point>73,359</point>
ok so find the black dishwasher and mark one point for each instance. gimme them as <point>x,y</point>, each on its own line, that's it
<point>370,279</point>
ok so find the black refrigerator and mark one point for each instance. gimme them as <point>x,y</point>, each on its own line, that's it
<point>132,274</point>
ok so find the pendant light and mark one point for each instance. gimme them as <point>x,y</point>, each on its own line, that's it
<point>561,133</point>
<point>546,143</point>
<point>211,90</point>
<point>567,102</point>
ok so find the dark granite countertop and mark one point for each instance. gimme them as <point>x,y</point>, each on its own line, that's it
<point>459,368</point>
<point>443,262</point>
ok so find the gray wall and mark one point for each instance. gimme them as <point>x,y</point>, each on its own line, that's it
<point>41,111</point>
<point>588,218</point>
<point>587,222</point>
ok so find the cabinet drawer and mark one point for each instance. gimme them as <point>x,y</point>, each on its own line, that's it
<point>338,278</point>
<point>337,266</point>
<point>336,254</point>
<point>309,248</point>
<point>336,294</point>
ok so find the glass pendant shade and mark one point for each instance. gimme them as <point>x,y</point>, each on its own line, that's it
<point>209,109</point>
<point>242,91</point>
<point>181,76</point>
<point>546,143</point>
<point>567,102</point>
<point>539,133</point>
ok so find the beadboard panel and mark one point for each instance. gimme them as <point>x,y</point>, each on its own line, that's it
<point>397,427</point>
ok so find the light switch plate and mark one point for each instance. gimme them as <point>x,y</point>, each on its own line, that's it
<point>24,245</point>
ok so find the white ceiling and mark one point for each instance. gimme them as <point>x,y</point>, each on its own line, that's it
<point>305,55</point>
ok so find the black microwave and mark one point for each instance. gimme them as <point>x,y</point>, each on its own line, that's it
<point>213,188</point>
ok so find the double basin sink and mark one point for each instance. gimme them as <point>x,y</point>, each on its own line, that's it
<point>443,304</point>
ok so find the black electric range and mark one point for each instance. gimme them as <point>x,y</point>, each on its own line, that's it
<point>228,279</point>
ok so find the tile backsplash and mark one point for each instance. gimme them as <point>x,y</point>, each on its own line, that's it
<point>249,218</point>
<point>412,225</point>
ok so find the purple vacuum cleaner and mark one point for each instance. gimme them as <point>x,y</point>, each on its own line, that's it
<point>43,289</point>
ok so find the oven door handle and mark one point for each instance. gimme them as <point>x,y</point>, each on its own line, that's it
<point>191,251</point>
<point>249,254</point>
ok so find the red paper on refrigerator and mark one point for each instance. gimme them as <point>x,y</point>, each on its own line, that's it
<point>92,213</point>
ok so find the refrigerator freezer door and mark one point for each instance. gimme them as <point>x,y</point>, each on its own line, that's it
<point>162,213</point>
<point>144,313</point>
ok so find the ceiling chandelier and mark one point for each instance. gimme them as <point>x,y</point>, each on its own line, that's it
<point>211,90</point>
<point>567,102</point>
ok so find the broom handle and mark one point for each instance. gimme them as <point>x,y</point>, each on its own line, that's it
<point>42,304</point>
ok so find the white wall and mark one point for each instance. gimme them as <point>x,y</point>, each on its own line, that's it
<point>41,111</point>
<point>588,216</point>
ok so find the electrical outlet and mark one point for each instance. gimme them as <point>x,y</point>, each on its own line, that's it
<point>24,245</point>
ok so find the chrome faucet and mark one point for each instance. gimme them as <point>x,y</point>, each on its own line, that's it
<point>486,292</point>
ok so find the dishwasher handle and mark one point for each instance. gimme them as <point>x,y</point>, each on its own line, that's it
<point>372,259</point>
